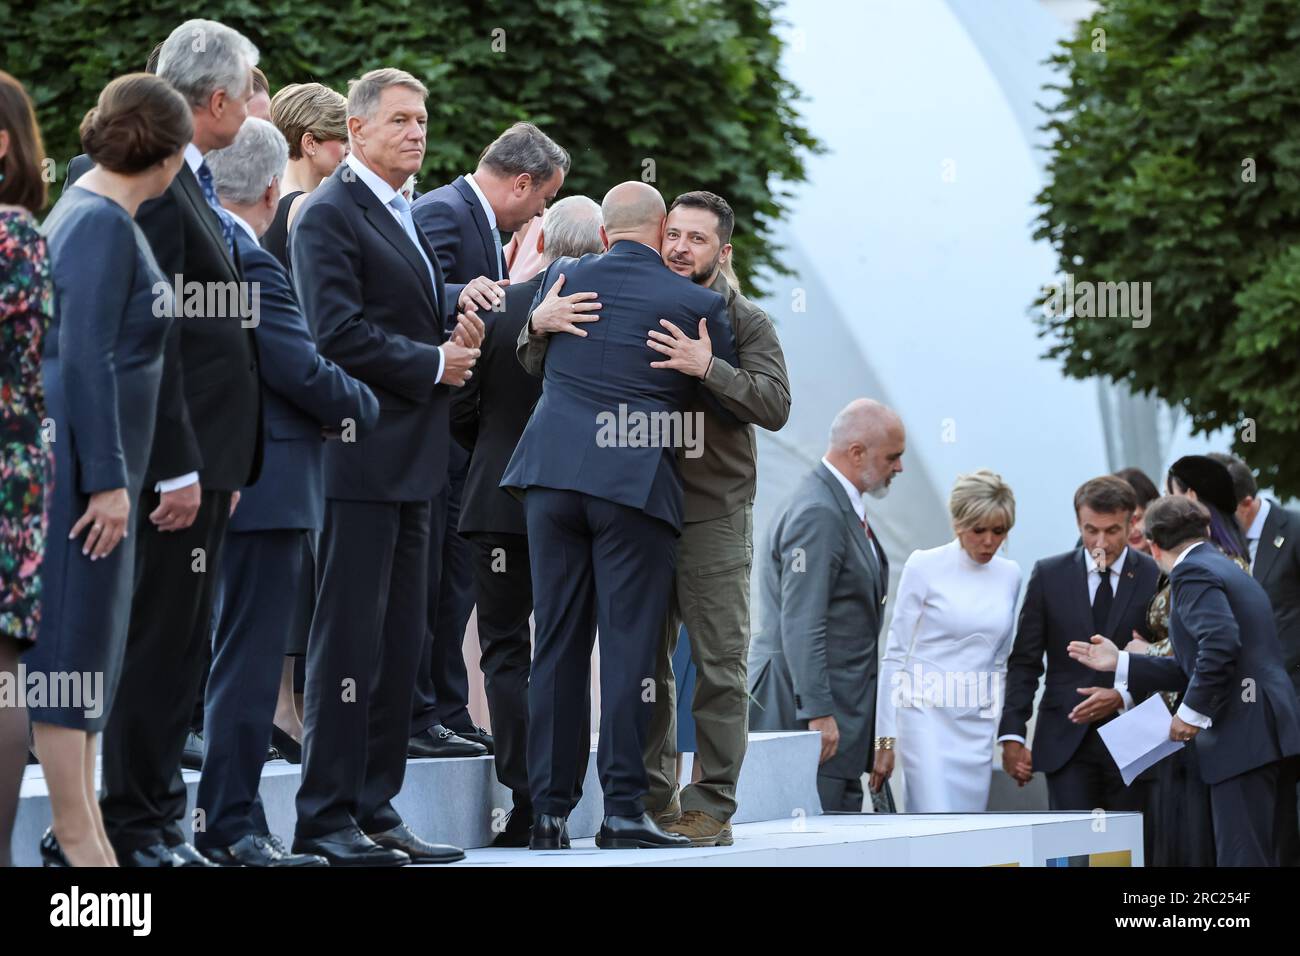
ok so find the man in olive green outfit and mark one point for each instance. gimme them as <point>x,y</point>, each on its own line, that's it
<point>715,551</point>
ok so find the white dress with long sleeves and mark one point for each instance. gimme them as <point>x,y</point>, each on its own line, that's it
<point>941,680</point>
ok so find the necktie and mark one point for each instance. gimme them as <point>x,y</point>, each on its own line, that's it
<point>871,549</point>
<point>1101,602</point>
<point>403,208</point>
<point>501,262</point>
<point>210,194</point>
<point>1253,545</point>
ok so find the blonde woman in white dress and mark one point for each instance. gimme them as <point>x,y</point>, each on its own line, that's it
<point>941,680</point>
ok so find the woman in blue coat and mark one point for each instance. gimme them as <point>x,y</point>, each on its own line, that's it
<point>102,366</point>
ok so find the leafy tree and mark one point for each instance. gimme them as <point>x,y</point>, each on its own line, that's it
<point>1177,161</point>
<point>684,93</point>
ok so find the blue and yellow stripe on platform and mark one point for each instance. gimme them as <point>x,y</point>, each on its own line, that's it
<point>1112,858</point>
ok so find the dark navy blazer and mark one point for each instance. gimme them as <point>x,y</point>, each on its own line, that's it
<point>1228,659</point>
<point>376,312</point>
<point>301,393</point>
<point>606,379</point>
<point>453,220</point>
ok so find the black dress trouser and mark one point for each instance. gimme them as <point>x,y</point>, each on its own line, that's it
<point>144,797</point>
<point>365,643</point>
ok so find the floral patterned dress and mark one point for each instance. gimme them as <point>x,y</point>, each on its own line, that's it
<point>26,303</point>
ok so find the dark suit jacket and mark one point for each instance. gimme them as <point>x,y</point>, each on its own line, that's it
<point>821,601</point>
<point>376,314</point>
<point>592,385</point>
<point>1056,611</point>
<point>209,403</point>
<point>454,221</point>
<point>1228,660</point>
<point>1277,568</point>
<point>301,393</point>
<point>489,414</point>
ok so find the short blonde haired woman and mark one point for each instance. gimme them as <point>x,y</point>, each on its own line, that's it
<point>941,679</point>
<point>314,121</point>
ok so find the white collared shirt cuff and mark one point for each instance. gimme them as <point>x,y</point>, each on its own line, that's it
<point>1016,737</point>
<point>1121,680</point>
<point>175,484</point>
<point>442,364</point>
<point>1189,716</point>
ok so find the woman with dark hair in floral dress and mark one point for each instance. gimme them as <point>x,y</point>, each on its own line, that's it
<point>25,307</point>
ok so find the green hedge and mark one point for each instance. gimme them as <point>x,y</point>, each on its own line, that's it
<point>691,84</point>
<point>1177,161</point>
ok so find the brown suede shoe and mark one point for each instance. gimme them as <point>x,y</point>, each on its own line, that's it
<point>668,815</point>
<point>702,829</point>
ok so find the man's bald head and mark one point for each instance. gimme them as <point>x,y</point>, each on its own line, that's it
<point>867,441</point>
<point>633,210</point>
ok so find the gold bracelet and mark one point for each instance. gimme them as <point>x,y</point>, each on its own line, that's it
<point>885,743</point>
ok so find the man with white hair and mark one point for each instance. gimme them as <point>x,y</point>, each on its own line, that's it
<point>207,445</point>
<point>267,586</point>
<point>823,579</point>
<point>487,417</point>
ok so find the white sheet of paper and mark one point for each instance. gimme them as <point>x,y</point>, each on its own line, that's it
<point>1139,738</point>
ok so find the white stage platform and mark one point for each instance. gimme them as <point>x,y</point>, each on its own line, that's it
<point>778,823</point>
<point>895,840</point>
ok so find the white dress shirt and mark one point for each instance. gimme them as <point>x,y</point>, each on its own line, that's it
<point>1256,530</point>
<point>855,499</point>
<point>492,221</point>
<point>385,193</point>
<point>1185,713</point>
<point>193,159</point>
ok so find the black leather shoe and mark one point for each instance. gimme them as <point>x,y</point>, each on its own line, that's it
<point>477,735</point>
<point>549,833</point>
<point>189,856</point>
<point>51,852</point>
<point>289,748</point>
<point>636,833</point>
<point>192,755</point>
<point>438,741</point>
<point>261,849</point>
<point>350,847</point>
<point>519,823</point>
<point>401,838</point>
<point>155,856</point>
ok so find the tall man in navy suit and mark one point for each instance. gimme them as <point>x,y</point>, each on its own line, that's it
<point>1103,588</point>
<point>268,570</point>
<point>603,504</point>
<point>487,417</point>
<point>517,175</point>
<point>370,285</point>
<point>1238,705</point>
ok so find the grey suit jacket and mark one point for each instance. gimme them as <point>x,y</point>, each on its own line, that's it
<point>820,605</point>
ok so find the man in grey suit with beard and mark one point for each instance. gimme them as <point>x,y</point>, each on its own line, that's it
<point>822,585</point>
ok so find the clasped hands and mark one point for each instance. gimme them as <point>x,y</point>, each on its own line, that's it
<point>461,351</point>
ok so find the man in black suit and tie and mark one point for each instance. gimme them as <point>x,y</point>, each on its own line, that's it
<point>1101,588</point>
<point>370,285</point>
<point>268,571</point>
<point>603,506</point>
<point>517,175</point>
<point>487,417</point>
<point>207,445</point>
<point>1238,705</point>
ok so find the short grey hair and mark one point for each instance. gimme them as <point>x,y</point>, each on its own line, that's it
<point>571,227</point>
<point>524,148</point>
<point>242,171</point>
<point>862,420</point>
<point>203,56</point>
<point>364,93</point>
